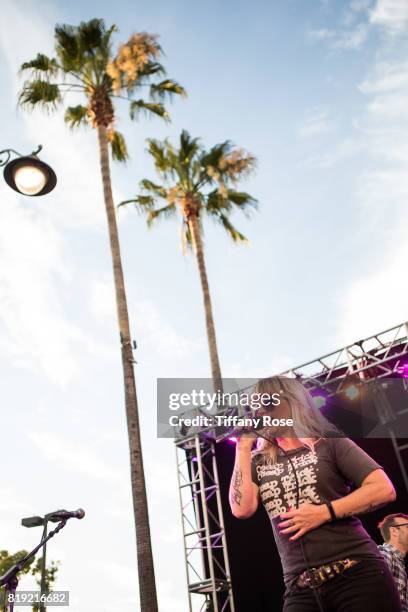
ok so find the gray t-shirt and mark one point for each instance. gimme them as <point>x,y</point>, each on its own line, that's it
<point>324,475</point>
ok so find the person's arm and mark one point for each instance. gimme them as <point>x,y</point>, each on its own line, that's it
<point>243,493</point>
<point>375,491</point>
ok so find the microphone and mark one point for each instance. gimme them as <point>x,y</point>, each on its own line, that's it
<point>239,431</point>
<point>65,514</point>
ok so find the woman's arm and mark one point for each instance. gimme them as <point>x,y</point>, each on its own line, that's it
<point>243,493</point>
<point>375,491</point>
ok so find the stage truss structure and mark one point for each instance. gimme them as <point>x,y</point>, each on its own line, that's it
<point>383,355</point>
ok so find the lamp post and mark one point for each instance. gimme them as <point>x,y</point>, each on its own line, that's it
<point>27,174</point>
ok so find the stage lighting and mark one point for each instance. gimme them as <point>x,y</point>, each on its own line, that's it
<point>319,400</point>
<point>352,392</point>
<point>403,370</point>
<point>233,439</point>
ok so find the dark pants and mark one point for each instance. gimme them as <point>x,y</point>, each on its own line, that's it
<point>368,585</point>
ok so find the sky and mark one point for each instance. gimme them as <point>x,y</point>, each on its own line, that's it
<point>318,92</point>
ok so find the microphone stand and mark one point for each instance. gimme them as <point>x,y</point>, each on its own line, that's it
<point>9,580</point>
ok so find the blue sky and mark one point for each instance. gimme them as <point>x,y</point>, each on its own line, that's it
<point>318,91</point>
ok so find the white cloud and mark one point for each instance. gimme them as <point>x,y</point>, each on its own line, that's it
<point>338,152</point>
<point>74,457</point>
<point>389,107</point>
<point>378,296</point>
<point>378,299</point>
<point>353,38</point>
<point>358,6</point>
<point>316,123</point>
<point>36,333</point>
<point>387,77</point>
<point>158,334</point>
<point>102,301</point>
<point>151,328</point>
<point>321,34</point>
<point>391,15</point>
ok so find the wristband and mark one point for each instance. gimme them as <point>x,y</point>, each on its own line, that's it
<point>332,512</point>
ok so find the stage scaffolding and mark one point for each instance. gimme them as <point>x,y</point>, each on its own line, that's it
<point>206,555</point>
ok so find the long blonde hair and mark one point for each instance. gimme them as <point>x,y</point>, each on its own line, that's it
<point>309,424</point>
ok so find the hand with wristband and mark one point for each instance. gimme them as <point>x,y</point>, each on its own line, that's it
<point>308,516</point>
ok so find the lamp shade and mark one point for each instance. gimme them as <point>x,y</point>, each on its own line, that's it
<point>30,176</point>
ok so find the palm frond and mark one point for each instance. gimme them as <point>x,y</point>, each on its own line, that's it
<point>75,116</point>
<point>141,203</point>
<point>224,165</point>
<point>67,47</point>
<point>231,230</point>
<point>41,65</point>
<point>189,147</point>
<point>221,202</point>
<point>40,93</point>
<point>106,42</point>
<point>160,213</point>
<point>212,157</point>
<point>216,203</point>
<point>243,200</point>
<point>151,68</point>
<point>157,190</point>
<point>158,150</point>
<point>118,146</point>
<point>133,60</point>
<point>138,106</point>
<point>90,35</point>
<point>166,89</point>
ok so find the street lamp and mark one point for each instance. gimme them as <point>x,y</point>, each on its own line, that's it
<point>27,174</point>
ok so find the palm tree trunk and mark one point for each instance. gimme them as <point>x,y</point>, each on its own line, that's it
<point>209,320</point>
<point>147,585</point>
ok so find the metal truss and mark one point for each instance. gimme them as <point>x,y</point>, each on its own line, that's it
<point>380,356</point>
<point>377,357</point>
<point>205,545</point>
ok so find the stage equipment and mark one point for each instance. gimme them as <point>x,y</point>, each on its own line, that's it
<point>384,355</point>
<point>37,521</point>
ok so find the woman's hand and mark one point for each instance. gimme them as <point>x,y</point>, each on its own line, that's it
<point>303,519</point>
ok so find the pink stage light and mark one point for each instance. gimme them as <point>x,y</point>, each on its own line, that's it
<point>403,370</point>
<point>233,439</point>
<point>319,400</point>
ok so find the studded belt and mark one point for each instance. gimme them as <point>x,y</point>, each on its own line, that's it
<point>317,575</point>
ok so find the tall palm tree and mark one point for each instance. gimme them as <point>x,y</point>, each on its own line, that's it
<point>197,182</point>
<point>84,64</point>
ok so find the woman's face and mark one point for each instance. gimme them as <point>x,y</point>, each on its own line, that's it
<point>280,411</point>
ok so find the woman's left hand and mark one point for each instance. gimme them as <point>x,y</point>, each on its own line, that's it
<point>303,519</point>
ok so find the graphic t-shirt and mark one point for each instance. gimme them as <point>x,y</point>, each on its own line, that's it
<point>325,474</point>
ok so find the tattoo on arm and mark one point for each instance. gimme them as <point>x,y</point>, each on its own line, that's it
<point>363,510</point>
<point>236,484</point>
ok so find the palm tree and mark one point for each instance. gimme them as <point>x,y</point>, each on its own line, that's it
<point>84,64</point>
<point>197,182</point>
